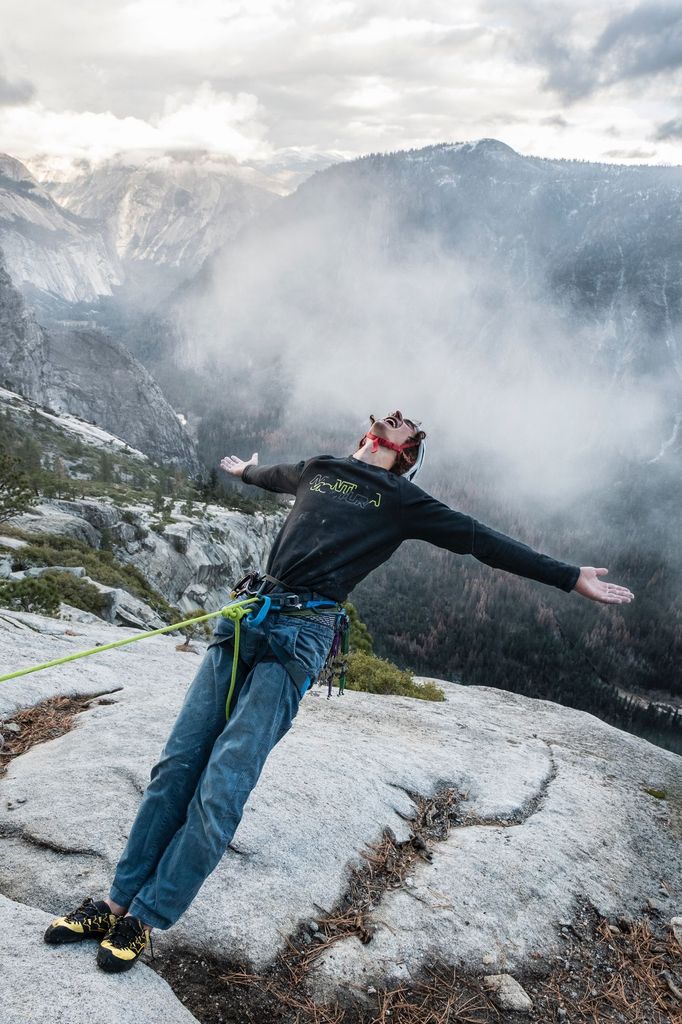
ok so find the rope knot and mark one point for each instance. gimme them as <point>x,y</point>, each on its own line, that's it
<point>236,612</point>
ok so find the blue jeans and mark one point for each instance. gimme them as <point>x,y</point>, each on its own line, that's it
<point>208,767</point>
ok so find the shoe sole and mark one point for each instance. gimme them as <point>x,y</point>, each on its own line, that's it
<point>61,936</point>
<point>112,964</point>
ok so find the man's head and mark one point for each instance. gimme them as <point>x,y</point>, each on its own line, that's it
<point>395,433</point>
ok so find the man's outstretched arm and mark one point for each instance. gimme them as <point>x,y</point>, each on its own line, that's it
<point>283,479</point>
<point>425,518</point>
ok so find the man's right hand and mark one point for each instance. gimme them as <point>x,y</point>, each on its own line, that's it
<point>236,466</point>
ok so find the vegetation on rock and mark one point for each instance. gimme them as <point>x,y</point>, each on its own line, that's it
<point>30,595</point>
<point>100,565</point>
<point>376,675</point>
<point>16,493</point>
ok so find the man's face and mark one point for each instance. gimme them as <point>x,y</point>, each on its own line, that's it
<point>393,427</point>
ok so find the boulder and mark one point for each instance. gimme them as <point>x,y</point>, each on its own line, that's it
<point>507,993</point>
<point>100,514</point>
<point>124,608</point>
<point>68,613</point>
<point>47,518</point>
<point>41,570</point>
<point>179,536</point>
<point>13,543</point>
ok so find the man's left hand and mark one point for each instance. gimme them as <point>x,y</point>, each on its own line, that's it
<point>589,585</point>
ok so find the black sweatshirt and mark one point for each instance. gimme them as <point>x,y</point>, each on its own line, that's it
<point>349,517</point>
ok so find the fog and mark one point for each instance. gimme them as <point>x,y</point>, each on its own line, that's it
<point>333,308</point>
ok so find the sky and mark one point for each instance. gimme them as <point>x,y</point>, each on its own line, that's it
<point>283,83</point>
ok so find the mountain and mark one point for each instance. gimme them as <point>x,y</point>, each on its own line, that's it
<point>163,218</point>
<point>23,343</point>
<point>129,230</point>
<point>84,372</point>
<point>52,255</point>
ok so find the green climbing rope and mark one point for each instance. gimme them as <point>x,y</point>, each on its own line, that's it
<point>235,611</point>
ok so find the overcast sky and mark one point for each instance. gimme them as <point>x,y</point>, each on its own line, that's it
<point>275,80</point>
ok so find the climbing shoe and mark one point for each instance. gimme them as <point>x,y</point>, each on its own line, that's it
<point>122,945</point>
<point>92,920</point>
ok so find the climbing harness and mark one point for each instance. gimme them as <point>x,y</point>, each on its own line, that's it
<point>250,602</point>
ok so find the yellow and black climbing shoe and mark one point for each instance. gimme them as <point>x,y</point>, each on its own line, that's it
<point>92,920</point>
<point>122,945</point>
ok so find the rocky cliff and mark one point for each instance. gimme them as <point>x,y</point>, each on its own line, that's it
<point>130,229</point>
<point>167,212</point>
<point>23,344</point>
<point>193,561</point>
<point>50,252</point>
<point>86,373</point>
<point>96,377</point>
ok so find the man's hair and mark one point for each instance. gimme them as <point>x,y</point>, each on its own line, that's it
<point>405,459</point>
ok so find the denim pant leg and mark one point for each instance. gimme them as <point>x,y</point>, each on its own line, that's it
<point>175,776</point>
<point>265,708</point>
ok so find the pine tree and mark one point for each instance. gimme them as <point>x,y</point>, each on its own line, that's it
<point>61,476</point>
<point>106,467</point>
<point>16,493</point>
<point>157,504</point>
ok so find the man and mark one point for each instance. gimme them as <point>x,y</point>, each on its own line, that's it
<point>349,516</point>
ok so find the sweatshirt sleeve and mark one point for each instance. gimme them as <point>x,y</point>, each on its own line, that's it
<point>283,479</point>
<point>426,518</point>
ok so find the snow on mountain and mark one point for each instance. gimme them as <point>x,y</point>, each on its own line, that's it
<point>48,249</point>
<point>88,433</point>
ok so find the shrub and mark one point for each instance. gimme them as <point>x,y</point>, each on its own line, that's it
<point>52,549</point>
<point>200,630</point>
<point>16,493</point>
<point>77,592</point>
<point>30,595</point>
<point>374,675</point>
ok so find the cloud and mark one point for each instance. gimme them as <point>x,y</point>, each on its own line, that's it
<point>335,76</point>
<point>630,154</point>
<point>669,129</point>
<point>207,120</point>
<point>584,52</point>
<point>14,93</point>
<point>557,120</point>
<point>645,41</point>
